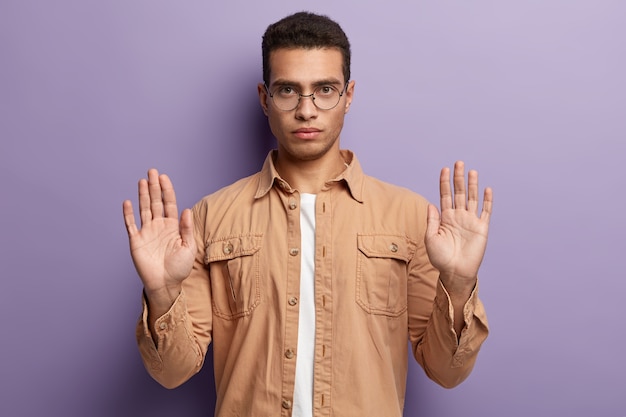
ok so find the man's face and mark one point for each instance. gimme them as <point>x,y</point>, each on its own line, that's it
<point>306,133</point>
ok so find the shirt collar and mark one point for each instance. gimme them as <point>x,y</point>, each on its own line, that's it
<point>353,176</point>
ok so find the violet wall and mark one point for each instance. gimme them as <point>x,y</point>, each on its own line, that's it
<point>531,93</point>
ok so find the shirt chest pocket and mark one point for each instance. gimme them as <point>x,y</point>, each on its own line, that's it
<point>381,282</point>
<point>235,276</point>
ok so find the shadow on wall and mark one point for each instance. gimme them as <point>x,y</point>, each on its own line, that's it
<point>236,136</point>
<point>257,131</point>
<point>133,392</point>
<point>140,396</point>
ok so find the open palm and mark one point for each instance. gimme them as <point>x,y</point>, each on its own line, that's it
<point>163,250</point>
<point>456,238</point>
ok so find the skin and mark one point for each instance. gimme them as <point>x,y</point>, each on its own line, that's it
<point>163,249</point>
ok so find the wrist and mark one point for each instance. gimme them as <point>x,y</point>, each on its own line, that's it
<point>161,300</point>
<point>458,288</point>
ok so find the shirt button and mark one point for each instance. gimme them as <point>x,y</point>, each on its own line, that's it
<point>294,251</point>
<point>228,248</point>
<point>393,247</point>
<point>289,353</point>
<point>293,301</point>
<point>163,326</point>
<point>292,204</point>
<point>286,404</point>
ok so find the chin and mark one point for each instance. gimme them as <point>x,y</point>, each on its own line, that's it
<point>309,152</point>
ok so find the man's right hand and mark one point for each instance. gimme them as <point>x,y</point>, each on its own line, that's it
<point>164,250</point>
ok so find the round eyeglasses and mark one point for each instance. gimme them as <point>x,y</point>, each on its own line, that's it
<point>325,97</point>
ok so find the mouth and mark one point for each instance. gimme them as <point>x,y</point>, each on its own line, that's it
<point>307,133</point>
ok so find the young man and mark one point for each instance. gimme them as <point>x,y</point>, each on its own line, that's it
<point>309,276</point>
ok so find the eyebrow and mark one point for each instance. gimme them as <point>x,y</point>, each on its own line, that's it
<point>318,83</point>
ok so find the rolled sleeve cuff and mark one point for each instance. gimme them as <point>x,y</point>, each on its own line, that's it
<point>164,325</point>
<point>476,327</point>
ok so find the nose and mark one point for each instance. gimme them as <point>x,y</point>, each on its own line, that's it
<point>306,108</point>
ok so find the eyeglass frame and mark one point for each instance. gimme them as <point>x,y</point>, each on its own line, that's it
<point>312,96</point>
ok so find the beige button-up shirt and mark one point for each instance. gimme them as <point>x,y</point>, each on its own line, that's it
<point>375,289</point>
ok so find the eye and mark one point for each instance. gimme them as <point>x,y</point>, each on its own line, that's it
<point>286,91</point>
<point>325,90</point>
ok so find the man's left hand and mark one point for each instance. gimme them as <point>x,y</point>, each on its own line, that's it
<point>456,239</point>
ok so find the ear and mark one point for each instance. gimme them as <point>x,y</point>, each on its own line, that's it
<point>349,95</point>
<point>263,97</point>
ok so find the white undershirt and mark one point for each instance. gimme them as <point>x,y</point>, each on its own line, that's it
<point>303,390</point>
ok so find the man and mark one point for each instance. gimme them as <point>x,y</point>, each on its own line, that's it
<point>309,277</point>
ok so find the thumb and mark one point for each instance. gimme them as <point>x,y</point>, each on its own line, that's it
<point>433,220</point>
<point>186,228</point>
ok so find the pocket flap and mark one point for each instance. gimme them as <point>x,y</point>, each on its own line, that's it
<point>385,246</point>
<point>231,247</point>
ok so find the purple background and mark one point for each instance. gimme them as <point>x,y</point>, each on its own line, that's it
<point>531,93</point>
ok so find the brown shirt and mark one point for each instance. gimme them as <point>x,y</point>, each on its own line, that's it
<point>374,290</point>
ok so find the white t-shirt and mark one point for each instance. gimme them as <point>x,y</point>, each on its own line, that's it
<point>303,390</point>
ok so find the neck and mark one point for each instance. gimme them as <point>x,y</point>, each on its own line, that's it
<point>309,176</point>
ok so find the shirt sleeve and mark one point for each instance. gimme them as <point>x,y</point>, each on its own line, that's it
<point>183,333</point>
<point>446,358</point>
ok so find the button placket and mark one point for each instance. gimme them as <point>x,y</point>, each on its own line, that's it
<point>323,305</point>
<point>290,199</point>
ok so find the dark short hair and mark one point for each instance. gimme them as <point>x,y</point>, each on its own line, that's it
<point>305,30</point>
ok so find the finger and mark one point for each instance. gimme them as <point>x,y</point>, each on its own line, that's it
<point>444,190</point>
<point>460,201</point>
<point>487,204</point>
<point>472,191</point>
<point>433,221</point>
<point>145,213</point>
<point>156,195</point>
<point>129,218</point>
<point>186,227</point>
<point>169,197</point>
